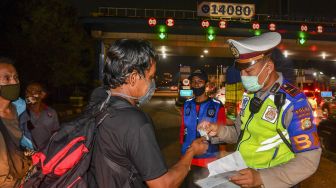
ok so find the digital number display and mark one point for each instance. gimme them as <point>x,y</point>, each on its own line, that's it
<point>226,10</point>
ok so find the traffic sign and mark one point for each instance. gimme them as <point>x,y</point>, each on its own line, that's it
<point>272,26</point>
<point>222,24</point>
<point>152,22</point>
<point>319,29</point>
<point>185,82</point>
<point>170,22</point>
<point>205,23</point>
<point>255,26</point>
<point>304,28</point>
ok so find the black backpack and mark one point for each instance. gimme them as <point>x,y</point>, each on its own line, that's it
<point>65,161</point>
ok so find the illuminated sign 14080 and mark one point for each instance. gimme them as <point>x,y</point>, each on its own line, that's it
<point>226,10</point>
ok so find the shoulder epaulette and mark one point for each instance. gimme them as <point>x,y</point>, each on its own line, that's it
<point>190,99</point>
<point>215,100</point>
<point>290,89</point>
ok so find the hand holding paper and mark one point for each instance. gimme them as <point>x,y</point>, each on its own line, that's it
<point>221,170</point>
<point>210,128</point>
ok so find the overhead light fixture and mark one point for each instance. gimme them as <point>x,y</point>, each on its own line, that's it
<point>323,55</point>
<point>286,53</point>
<point>321,72</point>
<point>164,56</point>
<point>202,56</point>
<point>314,73</point>
<point>205,51</point>
<point>333,78</point>
<point>163,49</point>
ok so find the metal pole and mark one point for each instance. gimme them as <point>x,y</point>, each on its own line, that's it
<point>217,76</point>
<point>302,76</point>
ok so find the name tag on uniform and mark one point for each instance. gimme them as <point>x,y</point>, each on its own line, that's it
<point>270,114</point>
<point>245,101</point>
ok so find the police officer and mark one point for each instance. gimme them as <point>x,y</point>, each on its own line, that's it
<point>195,110</point>
<point>274,131</point>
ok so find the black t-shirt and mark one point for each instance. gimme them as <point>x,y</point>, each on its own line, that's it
<point>127,137</point>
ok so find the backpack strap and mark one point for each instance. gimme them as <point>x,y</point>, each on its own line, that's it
<point>107,109</point>
<point>132,172</point>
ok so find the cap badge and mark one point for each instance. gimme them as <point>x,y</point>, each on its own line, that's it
<point>234,51</point>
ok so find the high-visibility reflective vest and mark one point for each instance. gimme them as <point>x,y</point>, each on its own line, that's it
<point>208,111</point>
<point>261,146</point>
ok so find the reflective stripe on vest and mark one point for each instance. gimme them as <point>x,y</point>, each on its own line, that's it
<point>261,145</point>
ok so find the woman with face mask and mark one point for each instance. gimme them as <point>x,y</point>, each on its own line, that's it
<point>194,111</point>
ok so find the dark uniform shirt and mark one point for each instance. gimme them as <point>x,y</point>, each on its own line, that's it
<point>42,127</point>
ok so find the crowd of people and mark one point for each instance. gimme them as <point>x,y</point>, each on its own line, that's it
<point>274,130</point>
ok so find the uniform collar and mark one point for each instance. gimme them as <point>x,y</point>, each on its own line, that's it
<point>272,90</point>
<point>202,101</point>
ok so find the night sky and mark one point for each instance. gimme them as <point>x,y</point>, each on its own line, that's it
<point>321,8</point>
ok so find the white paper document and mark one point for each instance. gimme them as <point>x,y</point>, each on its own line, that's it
<point>220,171</point>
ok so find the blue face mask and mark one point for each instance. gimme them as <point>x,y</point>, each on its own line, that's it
<point>251,83</point>
<point>20,105</point>
<point>150,92</point>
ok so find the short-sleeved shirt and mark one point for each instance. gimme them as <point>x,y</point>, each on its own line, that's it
<point>127,138</point>
<point>45,124</point>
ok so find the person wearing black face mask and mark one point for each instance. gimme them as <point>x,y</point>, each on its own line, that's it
<point>194,111</point>
<point>12,166</point>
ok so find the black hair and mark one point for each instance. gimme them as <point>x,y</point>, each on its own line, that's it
<point>125,56</point>
<point>5,60</point>
<point>283,65</point>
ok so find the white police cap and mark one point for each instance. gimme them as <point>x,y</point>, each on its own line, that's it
<point>248,51</point>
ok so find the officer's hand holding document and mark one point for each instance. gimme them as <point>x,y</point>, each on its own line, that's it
<point>221,170</point>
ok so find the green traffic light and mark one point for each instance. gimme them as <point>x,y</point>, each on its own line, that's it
<point>302,41</point>
<point>162,32</point>
<point>257,32</point>
<point>211,31</point>
<point>162,29</point>
<point>302,34</point>
<point>163,36</point>
<point>211,37</point>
